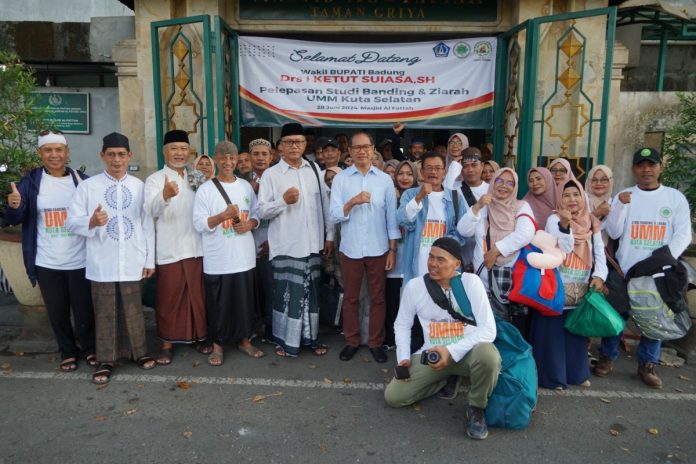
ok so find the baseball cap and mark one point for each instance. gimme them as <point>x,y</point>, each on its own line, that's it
<point>649,154</point>
<point>328,142</point>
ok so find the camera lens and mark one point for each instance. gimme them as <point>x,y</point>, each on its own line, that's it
<point>433,357</point>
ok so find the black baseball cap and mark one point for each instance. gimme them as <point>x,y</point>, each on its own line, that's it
<point>329,142</point>
<point>649,154</point>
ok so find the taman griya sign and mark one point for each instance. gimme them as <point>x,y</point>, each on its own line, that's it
<point>369,10</point>
<point>438,84</point>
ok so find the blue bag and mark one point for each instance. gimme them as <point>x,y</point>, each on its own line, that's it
<point>515,395</point>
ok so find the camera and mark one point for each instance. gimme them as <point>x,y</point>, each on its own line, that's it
<point>430,357</point>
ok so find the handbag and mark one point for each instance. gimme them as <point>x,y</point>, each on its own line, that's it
<point>594,317</point>
<point>541,289</point>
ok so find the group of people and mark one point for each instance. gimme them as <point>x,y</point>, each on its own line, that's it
<point>242,252</point>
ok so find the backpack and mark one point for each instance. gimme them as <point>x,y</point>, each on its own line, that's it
<point>515,395</point>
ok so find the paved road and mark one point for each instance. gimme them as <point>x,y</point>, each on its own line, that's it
<point>316,410</point>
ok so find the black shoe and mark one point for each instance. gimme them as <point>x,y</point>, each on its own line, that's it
<point>348,352</point>
<point>476,423</point>
<point>451,388</point>
<point>379,354</point>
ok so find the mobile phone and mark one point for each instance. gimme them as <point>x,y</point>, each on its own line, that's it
<point>402,373</point>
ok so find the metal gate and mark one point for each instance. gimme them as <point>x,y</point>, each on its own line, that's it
<point>553,78</point>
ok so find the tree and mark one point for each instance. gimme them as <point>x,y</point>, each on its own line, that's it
<point>19,121</point>
<point>680,152</point>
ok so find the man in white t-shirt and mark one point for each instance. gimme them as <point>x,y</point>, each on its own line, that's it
<point>54,256</point>
<point>644,218</point>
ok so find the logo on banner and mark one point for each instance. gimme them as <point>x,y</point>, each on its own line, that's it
<point>461,50</point>
<point>441,50</point>
<point>483,49</point>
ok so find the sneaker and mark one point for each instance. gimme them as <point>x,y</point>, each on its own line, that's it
<point>647,374</point>
<point>451,388</point>
<point>476,423</point>
<point>604,366</point>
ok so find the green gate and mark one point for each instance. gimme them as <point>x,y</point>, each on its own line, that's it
<point>553,78</point>
<point>191,93</point>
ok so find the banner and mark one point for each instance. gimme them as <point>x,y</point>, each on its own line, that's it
<point>438,84</point>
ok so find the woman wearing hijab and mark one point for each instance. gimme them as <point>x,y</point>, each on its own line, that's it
<point>561,356</point>
<point>489,168</point>
<point>561,170</point>
<point>501,225</point>
<point>599,187</point>
<point>456,144</point>
<point>542,195</point>
<point>390,168</point>
<point>205,165</point>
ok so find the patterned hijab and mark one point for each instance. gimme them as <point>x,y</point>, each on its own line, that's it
<point>544,204</point>
<point>583,224</point>
<point>595,200</point>
<point>564,163</point>
<point>502,214</point>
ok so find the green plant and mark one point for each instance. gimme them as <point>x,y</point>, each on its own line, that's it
<point>19,120</point>
<point>680,152</point>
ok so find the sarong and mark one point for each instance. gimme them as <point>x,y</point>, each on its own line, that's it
<point>119,321</point>
<point>296,301</point>
<point>181,315</point>
<point>230,306</point>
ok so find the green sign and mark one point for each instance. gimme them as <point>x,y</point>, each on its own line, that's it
<point>370,10</point>
<point>67,111</point>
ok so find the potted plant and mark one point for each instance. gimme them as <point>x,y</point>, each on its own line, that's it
<point>19,122</point>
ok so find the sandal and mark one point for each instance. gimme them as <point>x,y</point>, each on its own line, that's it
<point>282,353</point>
<point>144,361</point>
<point>104,370</point>
<point>164,357</point>
<point>252,351</point>
<point>68,365</point>
<point>215,358</point>
<point>319,350</point>
<point>203,348</point>
<point>92,360</point>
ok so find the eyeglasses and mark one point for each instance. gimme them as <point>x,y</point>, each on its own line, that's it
<point>44,133</point>
<point>432,169</point>
<point>558,170</point>
<point>456,142</point>
<point>357,148</point>
<point>119,155</point>
<point>509,183</point>
<point>293,143</point>
<point>603,180</point>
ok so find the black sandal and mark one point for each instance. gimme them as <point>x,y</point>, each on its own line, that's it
<point>68,365</point>
<point>104,370</point>
<point>144,360</point>
<point>91,360</point>
<point>164,358</point>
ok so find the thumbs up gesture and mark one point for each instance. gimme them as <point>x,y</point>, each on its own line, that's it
<point>99,218</point>
<point>14,199</point>
<point>171,189</point>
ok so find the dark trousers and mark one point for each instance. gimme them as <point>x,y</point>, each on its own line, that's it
<point>264,298</point>
<point>392,296</point>
<point>62,290</point>
<point>353,271</point>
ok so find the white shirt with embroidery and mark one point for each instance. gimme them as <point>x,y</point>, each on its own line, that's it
<point>121,249</point>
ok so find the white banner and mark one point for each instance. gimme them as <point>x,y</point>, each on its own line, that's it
<point>434,84</point>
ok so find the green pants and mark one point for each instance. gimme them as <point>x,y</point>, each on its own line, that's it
<point>481,365</point>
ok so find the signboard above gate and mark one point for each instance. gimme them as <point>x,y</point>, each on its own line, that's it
<point>434,84</point>
<point>369,10</point>
<point>66,111</point>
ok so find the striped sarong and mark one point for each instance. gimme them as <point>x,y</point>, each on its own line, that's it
<point>296,301</point>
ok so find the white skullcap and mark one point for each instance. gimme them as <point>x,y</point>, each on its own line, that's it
<point>52,137</point>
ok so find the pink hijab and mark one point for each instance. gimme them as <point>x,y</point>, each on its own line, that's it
<point>595,200</point>
<point>465,144</point>
<point>502,214</point>
<point>583,224</point>
<point>563,162</point>
<point>544,204</point>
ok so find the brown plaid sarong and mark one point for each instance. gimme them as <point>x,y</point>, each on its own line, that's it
<point>119,321</point>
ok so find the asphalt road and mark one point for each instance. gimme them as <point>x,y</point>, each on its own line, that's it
<point>317,410</point>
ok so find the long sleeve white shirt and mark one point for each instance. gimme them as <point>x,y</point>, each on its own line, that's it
<point>439,328</point>
<point>651,220</point>
<point>224,250</point>
<point>176,237</point>
<point>121,249</point>
<point>573,269</point>
<point>471,225</point>
<point>295,230</point>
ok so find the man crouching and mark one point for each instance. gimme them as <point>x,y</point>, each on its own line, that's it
<point>458,329</point>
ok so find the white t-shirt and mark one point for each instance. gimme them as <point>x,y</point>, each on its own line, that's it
<point>435,227</point>
<point>56,247</point>
<point>224,250</point>
<point>470,245</point>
